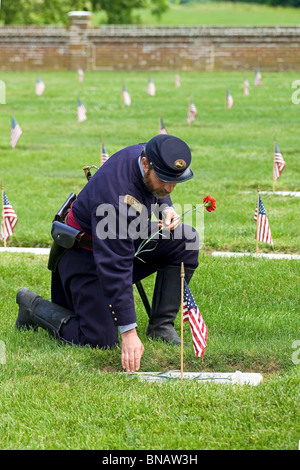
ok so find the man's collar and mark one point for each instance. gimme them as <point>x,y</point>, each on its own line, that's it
<point>140,165</point>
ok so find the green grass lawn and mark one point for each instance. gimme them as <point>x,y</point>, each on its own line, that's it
<point>62,397</point>
<point>217,13</point>
<point>57,396</point>
<point>232,150</point>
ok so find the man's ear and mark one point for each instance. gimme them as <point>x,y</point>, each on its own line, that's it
<point>145,164</point>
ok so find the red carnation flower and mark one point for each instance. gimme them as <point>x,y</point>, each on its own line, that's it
<point>209,203</point>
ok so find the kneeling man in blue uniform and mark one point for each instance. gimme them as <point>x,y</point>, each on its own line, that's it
<point>92,279</point>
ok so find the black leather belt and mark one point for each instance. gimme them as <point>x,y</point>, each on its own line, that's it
<point>85,242</point>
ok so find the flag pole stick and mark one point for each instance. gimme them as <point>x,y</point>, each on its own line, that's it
<point>274,163</point>
<point>4,234</point>
<point>181,350</point>
<point>257,220</point>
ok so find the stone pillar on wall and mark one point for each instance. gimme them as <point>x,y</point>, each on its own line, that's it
<point>79,45</point>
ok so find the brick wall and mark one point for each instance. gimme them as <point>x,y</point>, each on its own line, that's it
<point>34,48</point>
<point>148,48</point>
<point>195,48</point>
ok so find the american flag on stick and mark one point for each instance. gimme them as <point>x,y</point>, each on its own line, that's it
<point>81,111</point>
<point>9,218</point>
<point>177,81</point>
<point>151,87</point>
<point>246,87</point>
<point>125,96</point>
<point>191,313</point>
<point>192,113</point>
<point>104,154</point>
<point>15,133</point>
<point>162,129</point>
<point>279,163</point>
<point>80,74</point>
<point>263,232</point>
<point>229,99</point>
<point>257,79</point>
<point>39,87</point>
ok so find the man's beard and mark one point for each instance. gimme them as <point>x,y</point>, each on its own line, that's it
<point>159,193</point>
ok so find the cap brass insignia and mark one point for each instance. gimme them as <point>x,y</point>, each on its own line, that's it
<point>180,164</point>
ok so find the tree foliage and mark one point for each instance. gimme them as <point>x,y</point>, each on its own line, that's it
<point>55,11</point>
<point>39,11</point>
<point>122,11</point>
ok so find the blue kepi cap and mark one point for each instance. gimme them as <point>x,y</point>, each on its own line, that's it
<point>170,158</point>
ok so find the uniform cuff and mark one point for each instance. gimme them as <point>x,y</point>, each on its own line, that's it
<point>122,317</point>
<point>124,328</point>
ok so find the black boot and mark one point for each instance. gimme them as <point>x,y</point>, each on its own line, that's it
<point>34,311</point>
<point>166,303</point>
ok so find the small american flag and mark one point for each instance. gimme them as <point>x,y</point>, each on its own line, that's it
<point>125,96</point>
<point>263,233</point>
<point>257,79</point>
<point>104,154</point>
<point>80,75</point>
<point>279,163</point>
<point>192,112</point>
<point>39,87</point>
<point>151,87</point>
<point>162,129</point>
<point>192,314</point>
<point>246,87</point>
<point>81,111</point>
<point>177,81</point>
<point>9,219</point>
<point>229,100</point>
<point>15,133</point>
